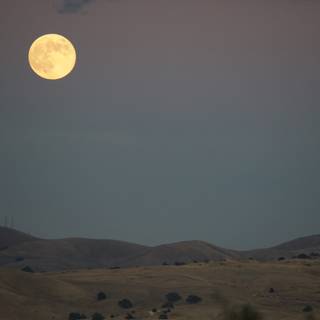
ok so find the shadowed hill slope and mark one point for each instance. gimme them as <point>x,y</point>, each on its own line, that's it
<point>185,251</point>
<point>305,245</point>
<point>73,253</point>
<point>20,249</point>
<point>10,237</point>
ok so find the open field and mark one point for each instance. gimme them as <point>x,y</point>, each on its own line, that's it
<point>46,296</point>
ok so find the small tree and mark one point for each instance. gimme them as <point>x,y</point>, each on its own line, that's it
<point>76,316</point>
<point>192,299</point>
<point>244,312</point>
<point>307,308</point>
<point>125,304</point>
<point>27,269</point>
<point>101,296</point>
<point>97,316</point>
<point>173,297</point>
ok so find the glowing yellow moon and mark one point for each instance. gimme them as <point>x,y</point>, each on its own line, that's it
<point>52,56</point>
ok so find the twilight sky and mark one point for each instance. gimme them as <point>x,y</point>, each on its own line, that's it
<point>184,119</point>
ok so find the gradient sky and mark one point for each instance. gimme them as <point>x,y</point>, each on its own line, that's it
<point>183,120</point>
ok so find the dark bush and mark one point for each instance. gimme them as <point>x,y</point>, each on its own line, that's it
<point>271,290</point>
<point>303,256</point>
<point>192,299</point>
<point>101,296</point>
<point>244,312</point>
<point>27,269</point>
<point>114,268</point>
<point>129,316</point>
<point>168,305</point>
<point>307,308</point>
<point>165,264</point>
<point>314,254</point>
<point>154,310</point>
<point>18,259</point>
<point>179,263</point>
<point>125,304</point>
<point>173,297</point>
<point>163,316</point>
<point>281,258</point>
<point>97,316</point>
<point>76,316</point>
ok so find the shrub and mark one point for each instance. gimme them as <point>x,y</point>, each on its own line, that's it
<point>281,258</point>
<point>314,254</point>
<point>307,308</point>
<point>303,256</point>
<point>163,316</point>
<point>97,316</point>
<point>125,304</point>
<point>179,263</point>
<point>244,312</point>
<point>192,299</point>
<point>19,259</point>
<point>173,297</point>
<point>101,296</point>
<point>76,316</point>
<point>27,269</point>
<point>271,290</point>
<point>168,305</point>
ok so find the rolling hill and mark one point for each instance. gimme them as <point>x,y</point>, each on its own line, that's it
<point>19,249</point>
<point>305,245</point>
<point>10,237</point>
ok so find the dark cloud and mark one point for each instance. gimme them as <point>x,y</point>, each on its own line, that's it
<point>72,6</point>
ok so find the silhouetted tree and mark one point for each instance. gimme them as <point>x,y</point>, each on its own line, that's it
<point>27,269</point>
<point>76,316</point>
<point>101,296</point>
<point>173,297</point>
<point>125,304</point>
<point>192,299</point>
<point>307,308</point>
<point>97,316</point>
<point>244,312</point>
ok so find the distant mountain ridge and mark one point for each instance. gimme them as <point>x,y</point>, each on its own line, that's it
<point>20,249</point>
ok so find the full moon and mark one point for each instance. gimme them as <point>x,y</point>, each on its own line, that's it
<point>52,56</point>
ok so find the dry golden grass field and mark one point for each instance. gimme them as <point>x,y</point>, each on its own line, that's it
<point>46,296</point>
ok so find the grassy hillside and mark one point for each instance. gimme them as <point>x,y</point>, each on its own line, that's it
<point>42,296</point>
